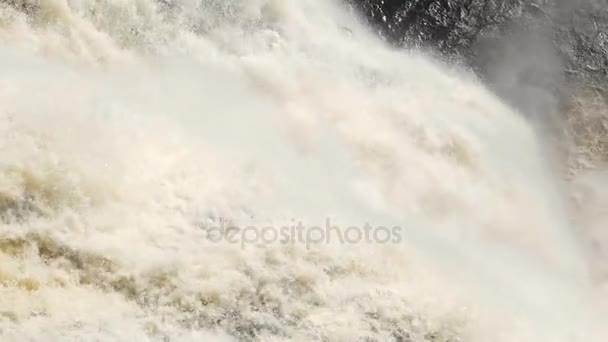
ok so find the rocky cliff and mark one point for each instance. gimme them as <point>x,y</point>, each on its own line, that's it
<point>549,59</point>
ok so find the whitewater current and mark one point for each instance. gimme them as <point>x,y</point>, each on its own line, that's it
<point>128,128</point>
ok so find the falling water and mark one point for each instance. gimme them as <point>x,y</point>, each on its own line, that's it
<point>129,127</point>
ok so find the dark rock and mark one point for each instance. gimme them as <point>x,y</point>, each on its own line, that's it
<point>538,55</point>
<point>569,36</point>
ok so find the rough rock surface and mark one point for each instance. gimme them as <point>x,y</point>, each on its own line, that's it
<point>577,29</point>
<point>547,58</point>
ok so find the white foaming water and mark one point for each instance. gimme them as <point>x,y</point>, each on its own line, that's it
<point>127,125</point>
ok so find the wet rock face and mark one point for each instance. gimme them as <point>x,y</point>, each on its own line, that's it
<point>451,26</point>
<point>544,40</point>
<point>574,31</point>
<point>541,56</point>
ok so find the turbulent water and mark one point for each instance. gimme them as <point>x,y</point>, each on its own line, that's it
<point>129,127</point>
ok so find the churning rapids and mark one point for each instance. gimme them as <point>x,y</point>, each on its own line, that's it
<point>130,126</point>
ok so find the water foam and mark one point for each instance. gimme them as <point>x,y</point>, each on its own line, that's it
<point>126,125</point>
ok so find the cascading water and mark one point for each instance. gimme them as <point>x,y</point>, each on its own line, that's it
<point>130,126</point>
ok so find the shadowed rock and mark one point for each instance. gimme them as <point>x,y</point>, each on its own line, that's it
<point>538,55</point>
